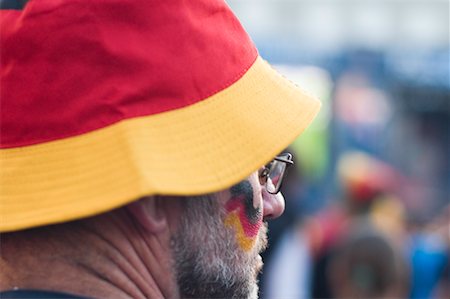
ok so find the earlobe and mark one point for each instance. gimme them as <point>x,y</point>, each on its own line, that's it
<point>149,214</point>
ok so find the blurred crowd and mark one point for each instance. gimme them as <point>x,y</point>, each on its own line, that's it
<point>367,207</point>
<point>361,245</point>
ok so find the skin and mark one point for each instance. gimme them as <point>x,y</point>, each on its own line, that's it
<point>130,252</point>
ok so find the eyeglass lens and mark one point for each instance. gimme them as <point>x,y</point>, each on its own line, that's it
<point>276,174</point>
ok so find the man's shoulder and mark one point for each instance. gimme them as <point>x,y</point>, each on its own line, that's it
<point>31,294</point>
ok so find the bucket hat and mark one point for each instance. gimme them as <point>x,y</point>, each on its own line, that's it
<point>107,101</point>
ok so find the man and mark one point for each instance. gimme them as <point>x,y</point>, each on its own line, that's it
<point>133,135</point>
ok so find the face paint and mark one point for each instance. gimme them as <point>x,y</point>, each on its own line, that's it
<point>243,216</point>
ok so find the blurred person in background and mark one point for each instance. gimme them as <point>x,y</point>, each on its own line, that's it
<point>366,182</point>
<point>429,255</point>
<point>137,150</point>
<point>364,264</point>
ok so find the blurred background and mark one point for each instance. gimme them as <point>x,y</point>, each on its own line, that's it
<point>367,205</point>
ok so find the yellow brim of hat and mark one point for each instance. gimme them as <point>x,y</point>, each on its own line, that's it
<point>202,148</point>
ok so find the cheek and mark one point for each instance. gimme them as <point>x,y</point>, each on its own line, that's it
<point>242,216</point>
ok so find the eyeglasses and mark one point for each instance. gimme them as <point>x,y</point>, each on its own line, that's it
<point>271,176</point>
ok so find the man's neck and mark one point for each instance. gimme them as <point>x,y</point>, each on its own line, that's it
<point>107,256</point>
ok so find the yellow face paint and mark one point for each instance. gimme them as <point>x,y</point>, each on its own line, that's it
<point>246,243</point>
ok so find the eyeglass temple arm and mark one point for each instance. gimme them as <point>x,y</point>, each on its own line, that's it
<point>287,160</point>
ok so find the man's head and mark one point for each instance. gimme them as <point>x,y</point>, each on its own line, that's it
<point>161,100</point>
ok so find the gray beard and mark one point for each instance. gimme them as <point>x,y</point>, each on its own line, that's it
<point>208,261</point>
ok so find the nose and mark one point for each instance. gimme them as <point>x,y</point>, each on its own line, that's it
<point>273,205</point>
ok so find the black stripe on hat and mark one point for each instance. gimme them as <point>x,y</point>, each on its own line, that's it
<point>12,4</point>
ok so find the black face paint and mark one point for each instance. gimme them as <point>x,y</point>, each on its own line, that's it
<point>244,192</point>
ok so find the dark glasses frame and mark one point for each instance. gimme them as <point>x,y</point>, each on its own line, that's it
<point>265,173</point>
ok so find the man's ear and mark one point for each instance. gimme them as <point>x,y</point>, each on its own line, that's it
<point>149,213</point>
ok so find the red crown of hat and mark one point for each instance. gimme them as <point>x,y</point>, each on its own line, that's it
<point>75,66</point>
